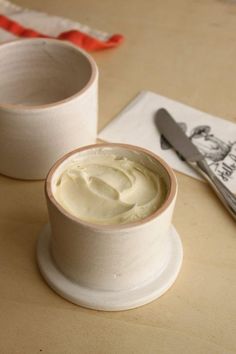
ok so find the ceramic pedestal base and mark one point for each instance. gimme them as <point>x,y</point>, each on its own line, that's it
<point>110,300</point>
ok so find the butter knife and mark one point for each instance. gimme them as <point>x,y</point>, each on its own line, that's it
<point>175,136</point>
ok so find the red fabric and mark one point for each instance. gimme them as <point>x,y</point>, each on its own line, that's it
<point>76,37</point>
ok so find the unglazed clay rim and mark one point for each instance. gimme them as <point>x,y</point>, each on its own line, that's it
<point>169,198</point>
<point>62,44</point>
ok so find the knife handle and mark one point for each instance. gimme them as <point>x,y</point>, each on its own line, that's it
<point>224,194</point>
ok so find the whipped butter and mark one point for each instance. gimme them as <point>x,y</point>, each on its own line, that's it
<point>107,189</point>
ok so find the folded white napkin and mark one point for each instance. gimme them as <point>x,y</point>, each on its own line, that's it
<point>215,137</point>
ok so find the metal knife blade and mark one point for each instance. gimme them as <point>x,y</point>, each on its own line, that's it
<point>175,136</point>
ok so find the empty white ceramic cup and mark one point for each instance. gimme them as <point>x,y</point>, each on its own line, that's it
<point>48,104</point>
<point>110,267</point>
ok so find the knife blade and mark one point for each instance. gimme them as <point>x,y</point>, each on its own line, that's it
<point>176,137</point>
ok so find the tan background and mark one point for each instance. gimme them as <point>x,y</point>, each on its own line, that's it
<point>186,50</point>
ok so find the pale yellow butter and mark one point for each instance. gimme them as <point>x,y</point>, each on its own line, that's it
<point>106,189</point>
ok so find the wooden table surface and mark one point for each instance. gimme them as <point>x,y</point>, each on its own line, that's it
<point>185,50</point>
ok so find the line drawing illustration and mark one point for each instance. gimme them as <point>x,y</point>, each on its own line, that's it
<point>220,155</point>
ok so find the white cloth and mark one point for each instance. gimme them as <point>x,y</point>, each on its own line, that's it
<point>42,22</point>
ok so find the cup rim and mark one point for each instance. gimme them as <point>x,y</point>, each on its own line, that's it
<point>60,43</point>
<point>168,200</point>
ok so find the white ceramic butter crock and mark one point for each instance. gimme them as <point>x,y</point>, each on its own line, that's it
<point>48,104</point>
<point>110,267</point>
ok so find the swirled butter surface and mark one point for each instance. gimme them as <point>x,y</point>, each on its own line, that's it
<point>106,189</point>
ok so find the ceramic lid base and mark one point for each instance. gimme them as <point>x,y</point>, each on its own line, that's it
<point>109,300</point>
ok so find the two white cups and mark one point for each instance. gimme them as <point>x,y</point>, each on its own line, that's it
<point>48,107</point>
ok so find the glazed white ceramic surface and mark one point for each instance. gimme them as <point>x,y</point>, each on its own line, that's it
<point>113,258</point>
<point>99,299</point>
<point>48,104</point>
